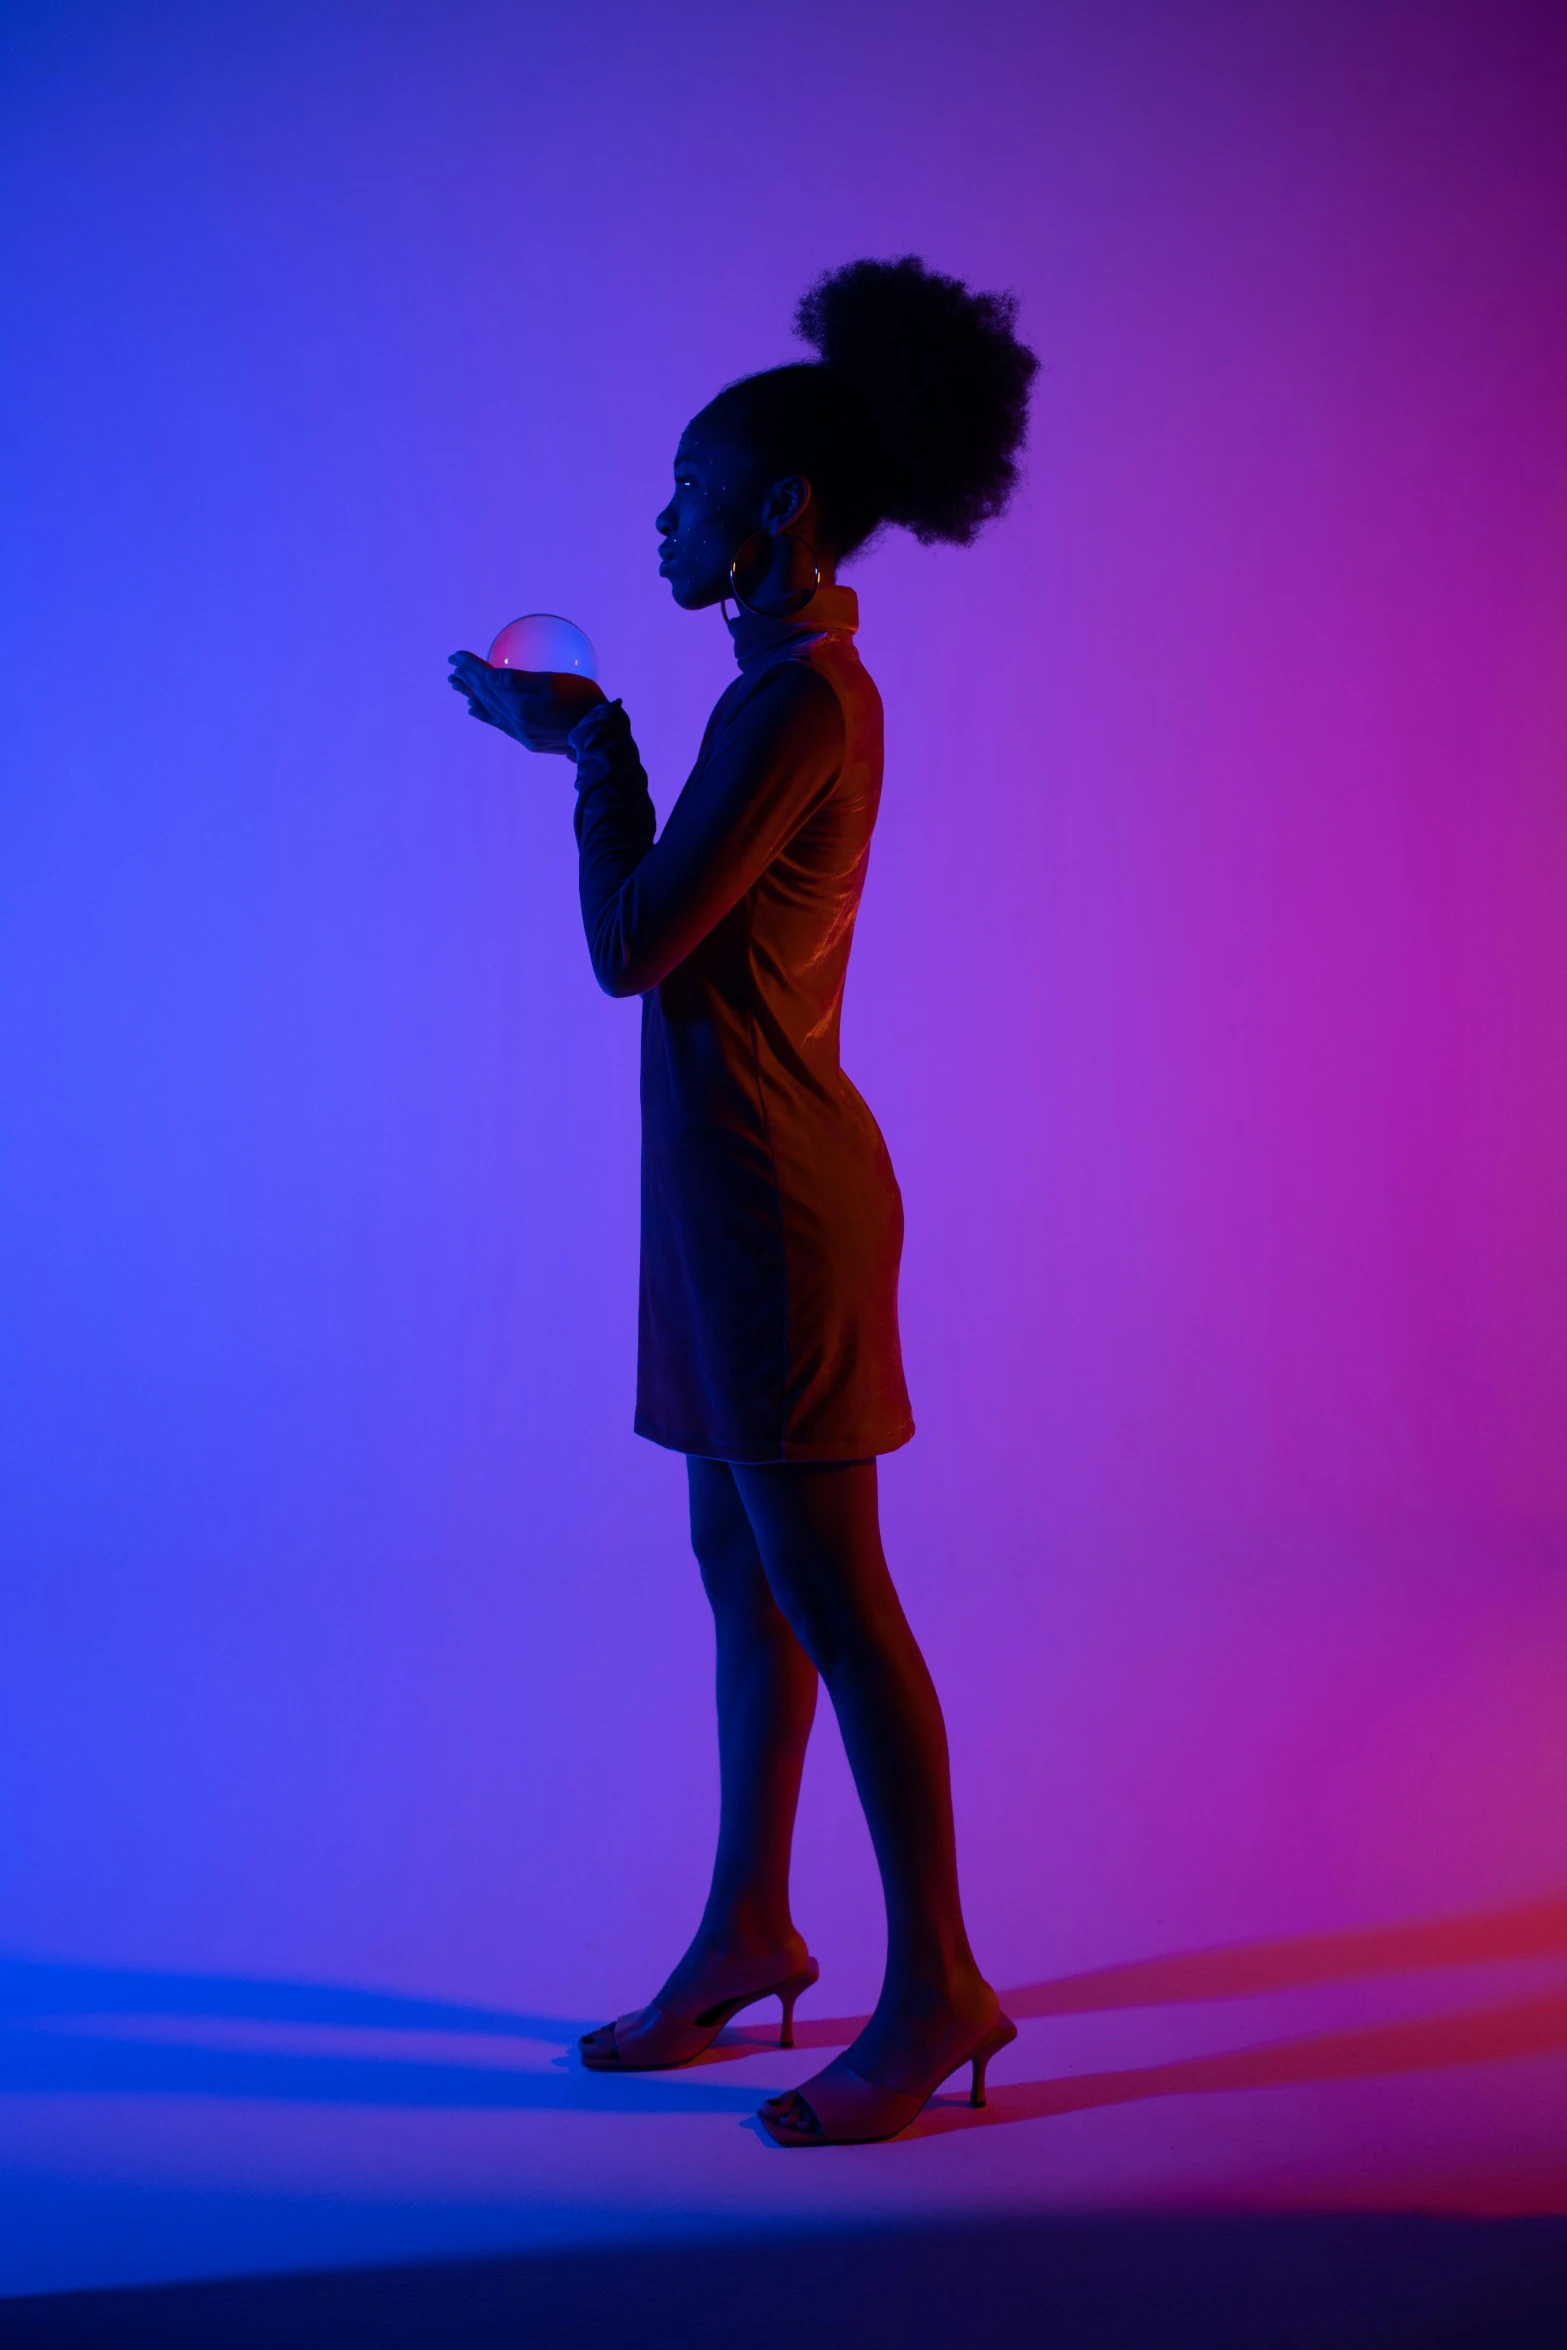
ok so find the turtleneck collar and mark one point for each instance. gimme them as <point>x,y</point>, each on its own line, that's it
<point>834,610</point>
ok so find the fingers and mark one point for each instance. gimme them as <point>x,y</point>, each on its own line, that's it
<point>527,704</point>
<point>511,722</point>
<point>475,707</point>
<point>512,685</point>
<point>475,681</point>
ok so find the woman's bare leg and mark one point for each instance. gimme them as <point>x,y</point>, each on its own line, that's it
<point>817,1531</point>
<point>766,1704</point>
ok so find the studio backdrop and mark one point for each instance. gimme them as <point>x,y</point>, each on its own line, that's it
<point>1210,984</point>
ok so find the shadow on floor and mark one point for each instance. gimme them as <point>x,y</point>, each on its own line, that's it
<point>1535,1929</point>
<point>1492,2035</point>
<point>53,2036</point>
<point>32,1987</point>
<point>1112,2283</point>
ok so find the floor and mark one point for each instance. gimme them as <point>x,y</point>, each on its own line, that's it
<point>161,2128</point>
<point>1128,2283</point>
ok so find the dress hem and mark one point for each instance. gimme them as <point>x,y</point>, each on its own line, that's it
<point>706,1448</point>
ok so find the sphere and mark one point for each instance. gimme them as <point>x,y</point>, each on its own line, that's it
<point>542,640</point>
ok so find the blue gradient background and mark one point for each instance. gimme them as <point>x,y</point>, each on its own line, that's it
<point>1210,983</point>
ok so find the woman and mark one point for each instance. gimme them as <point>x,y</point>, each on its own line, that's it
<point>771,1221</point>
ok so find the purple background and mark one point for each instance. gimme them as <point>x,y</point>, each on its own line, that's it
<point>1210,984</point>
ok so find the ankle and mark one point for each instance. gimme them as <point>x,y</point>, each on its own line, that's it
<point>937,1985</point>
<point>748,1933</point>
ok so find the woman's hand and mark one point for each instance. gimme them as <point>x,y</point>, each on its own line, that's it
<point>536,707</point>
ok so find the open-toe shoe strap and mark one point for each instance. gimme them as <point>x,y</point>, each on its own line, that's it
<point>851,2108</point>
<point>648,2039</point>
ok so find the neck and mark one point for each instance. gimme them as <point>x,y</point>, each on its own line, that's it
<point>832,611</point>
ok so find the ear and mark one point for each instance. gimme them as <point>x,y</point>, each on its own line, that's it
<point>785,502</point>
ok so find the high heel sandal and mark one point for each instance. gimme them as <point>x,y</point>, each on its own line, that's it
<point>847,2110</point>
<point>650,2039</point>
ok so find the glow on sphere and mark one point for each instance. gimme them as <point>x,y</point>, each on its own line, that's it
<point>542,640</point>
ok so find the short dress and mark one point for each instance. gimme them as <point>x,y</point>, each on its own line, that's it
<point>772,1224</point>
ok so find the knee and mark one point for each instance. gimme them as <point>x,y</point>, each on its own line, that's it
<point>814,1613</point>
<point>724,1546</point>
<point>816,1526</point>
<point>813,1624</point>
<point>836,1617</point>
<point>729,1576</point>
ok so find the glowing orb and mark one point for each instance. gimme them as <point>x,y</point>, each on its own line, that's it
<point>542,640</point>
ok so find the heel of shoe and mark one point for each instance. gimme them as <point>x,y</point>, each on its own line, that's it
<point>788,1993</point>
<point>1000,2035</point>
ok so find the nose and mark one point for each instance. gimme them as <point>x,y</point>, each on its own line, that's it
<point>665,522</point>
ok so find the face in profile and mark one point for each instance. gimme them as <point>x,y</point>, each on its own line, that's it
<point>715,506</point>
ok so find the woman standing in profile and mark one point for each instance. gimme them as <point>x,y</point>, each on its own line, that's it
<point>771,1221</point>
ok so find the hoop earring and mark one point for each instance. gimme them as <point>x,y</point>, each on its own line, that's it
<point>798,597</point>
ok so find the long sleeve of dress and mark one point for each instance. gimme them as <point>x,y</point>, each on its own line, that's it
<point>773,750</point>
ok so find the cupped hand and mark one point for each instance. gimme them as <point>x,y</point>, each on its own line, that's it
<point>536,707</point>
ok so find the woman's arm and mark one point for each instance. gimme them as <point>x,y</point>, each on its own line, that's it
<point>645,906</point>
